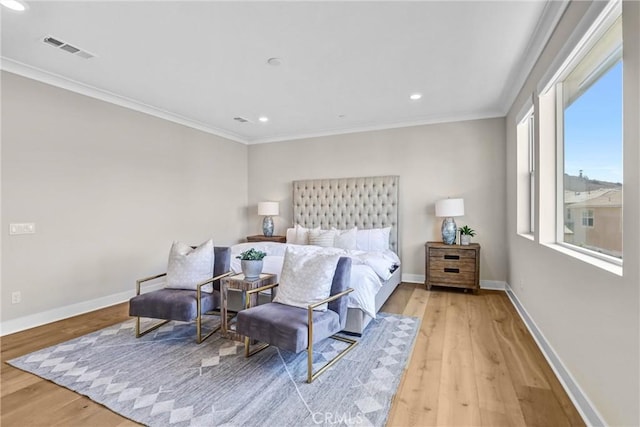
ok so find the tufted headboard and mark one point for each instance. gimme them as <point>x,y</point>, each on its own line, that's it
<point>368,202</point>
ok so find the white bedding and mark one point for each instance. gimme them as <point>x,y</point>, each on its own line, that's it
<point>368,269</point>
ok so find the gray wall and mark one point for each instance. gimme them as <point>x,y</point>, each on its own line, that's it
<point>588,315</point>
<point>462,159</point>
<point>109,189</point>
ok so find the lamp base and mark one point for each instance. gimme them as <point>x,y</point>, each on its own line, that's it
<point>449,231</point>
<point>267,226</point>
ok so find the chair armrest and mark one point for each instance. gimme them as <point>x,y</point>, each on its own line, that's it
<point>213,279</point>
<point>310,308</point>
<point>331,298</point>
<point>146,279</point>
<point>247,304</point>
<point>206,282</point>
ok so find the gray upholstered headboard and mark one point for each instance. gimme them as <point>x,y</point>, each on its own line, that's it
<point>368,202</point>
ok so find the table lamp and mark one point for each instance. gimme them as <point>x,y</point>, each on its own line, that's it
<point>448,208</point>
<point>268,209</point>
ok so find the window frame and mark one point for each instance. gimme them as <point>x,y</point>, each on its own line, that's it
<point>526,203</point>
<point>572,54</point>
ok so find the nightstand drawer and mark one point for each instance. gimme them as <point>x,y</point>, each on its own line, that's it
<point>451,254</point>
<point>465,265</point>
<point>452,276</point>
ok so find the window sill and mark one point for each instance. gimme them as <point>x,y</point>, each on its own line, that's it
<point>596,262</point>
<point>528,236</point>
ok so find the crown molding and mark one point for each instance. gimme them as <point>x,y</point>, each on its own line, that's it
<point>56,80</point>
<point>545,27</point>
<point>431,120</point>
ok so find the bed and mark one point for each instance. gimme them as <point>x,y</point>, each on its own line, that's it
<point>368,203</point>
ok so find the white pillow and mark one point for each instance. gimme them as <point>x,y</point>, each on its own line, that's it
<point>306,278</point>
<point>291,236</point>
<point>324,238</point>
<point>187,267</point>
<point>301,235</point>
<point>373,239</point>
<point>345,239</point>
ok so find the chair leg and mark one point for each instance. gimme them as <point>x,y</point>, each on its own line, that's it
<point>247,347</point>
<point>199,337</point>
<point>152,328</point>
<point>313,375</point>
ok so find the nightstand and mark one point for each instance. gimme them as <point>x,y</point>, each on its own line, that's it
<point>455,266</point>
<point>239,283</point>
<point>261,238</point>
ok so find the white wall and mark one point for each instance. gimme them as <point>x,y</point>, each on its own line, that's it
<point>462,159</point>
<point>109,189</point>
<point>589,316</point>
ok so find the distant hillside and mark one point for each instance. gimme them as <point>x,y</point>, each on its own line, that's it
<point>583,183</point>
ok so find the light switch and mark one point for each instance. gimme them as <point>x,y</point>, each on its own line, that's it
<point>22,228</point>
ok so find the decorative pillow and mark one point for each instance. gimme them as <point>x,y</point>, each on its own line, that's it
<point>187,267</point>
<point>345,239</point>
<point>373,239</point>
<point>306,278</point>
<point>291,236</point>
<point>324,238</point>
<point>302,235</point>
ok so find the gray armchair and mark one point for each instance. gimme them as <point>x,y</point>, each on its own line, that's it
<point>297,329</point>
<point>181,304</point>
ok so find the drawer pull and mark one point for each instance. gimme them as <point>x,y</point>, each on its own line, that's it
<point>451,270</point>
<point>452,257</point>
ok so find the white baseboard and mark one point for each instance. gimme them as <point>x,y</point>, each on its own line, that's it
<point>585,407</point>
<point>495,285</point>
<point>412,278</point>
<point>49,316</point>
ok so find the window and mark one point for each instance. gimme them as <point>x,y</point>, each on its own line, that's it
<point>586,101</point>
<point>526,173</point>
<point>587,218</point>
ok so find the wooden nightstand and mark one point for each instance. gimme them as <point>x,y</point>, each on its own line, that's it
<point>452,265</point>
<point>261,238</point>
<point>239,283</point>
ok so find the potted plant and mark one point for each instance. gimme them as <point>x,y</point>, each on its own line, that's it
<point>466,234</point>
<point>251,263</point>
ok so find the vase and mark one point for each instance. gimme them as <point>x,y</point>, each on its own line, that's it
<point>251,268</point>
<point>465,239</point>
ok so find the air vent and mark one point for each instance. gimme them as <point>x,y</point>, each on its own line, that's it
<point>241,119</point>
<point>59,44</point>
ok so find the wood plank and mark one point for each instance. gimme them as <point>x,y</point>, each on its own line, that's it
<point>458,403</point>
<point>534,381</point>
<point>499,404</point>
<point>416,401</point>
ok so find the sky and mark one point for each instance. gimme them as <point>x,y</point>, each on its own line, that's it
<point>593,130</point>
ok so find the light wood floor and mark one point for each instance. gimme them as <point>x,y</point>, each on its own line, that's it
<point>474,363</point>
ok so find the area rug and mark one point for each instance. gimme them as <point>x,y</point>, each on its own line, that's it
<point>166,379</point>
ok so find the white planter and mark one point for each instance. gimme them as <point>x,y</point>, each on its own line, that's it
<point>251,268</point>
<point>465,239</point>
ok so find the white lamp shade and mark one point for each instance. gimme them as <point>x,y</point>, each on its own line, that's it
<point>450,207</point>
<point>268,208</point>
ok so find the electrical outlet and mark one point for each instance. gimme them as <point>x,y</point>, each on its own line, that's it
<point>16,297</point>
<point>22,228</point>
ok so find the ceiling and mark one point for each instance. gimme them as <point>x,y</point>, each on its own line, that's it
<point>344,66</point>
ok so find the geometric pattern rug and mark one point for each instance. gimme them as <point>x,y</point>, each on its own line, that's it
<point>166,379</point>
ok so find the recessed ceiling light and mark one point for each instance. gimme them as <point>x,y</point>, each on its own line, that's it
<point>263,119</point>
<point>16,5</point>
<point>415,96</point>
